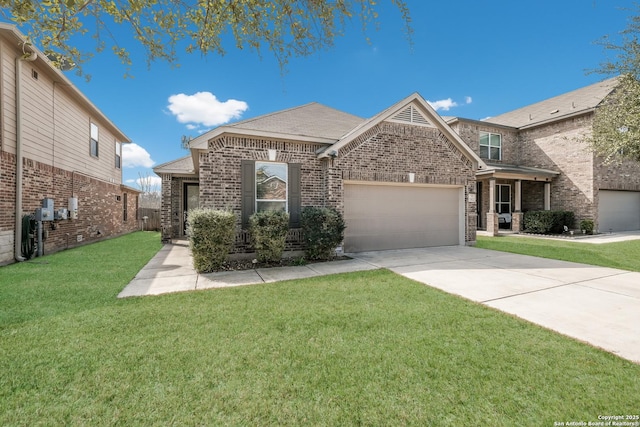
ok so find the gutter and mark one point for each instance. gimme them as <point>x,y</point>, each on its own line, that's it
<point>30,57</point>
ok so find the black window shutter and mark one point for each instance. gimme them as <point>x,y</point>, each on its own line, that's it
<point>294,195</point>
<point>248,190</point>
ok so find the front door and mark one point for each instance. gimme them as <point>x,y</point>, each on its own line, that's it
<point>191,201</point>
<point>503,205</point>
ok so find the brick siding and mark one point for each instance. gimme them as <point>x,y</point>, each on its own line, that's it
<point>100,204</point>
<point>386,153</point>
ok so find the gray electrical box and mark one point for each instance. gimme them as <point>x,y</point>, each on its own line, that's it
<point>45,213</point>
<point>61,213</point>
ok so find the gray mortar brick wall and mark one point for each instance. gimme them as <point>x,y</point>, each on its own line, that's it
<point>386,153</point>
<point>100,205</point>
<point>560,146</point>
<point>390,151</point>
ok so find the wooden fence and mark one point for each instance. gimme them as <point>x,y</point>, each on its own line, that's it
<point>153,219</point>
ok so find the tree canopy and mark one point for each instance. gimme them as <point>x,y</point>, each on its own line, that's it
<point>286,28</point>
<point>616,125</point>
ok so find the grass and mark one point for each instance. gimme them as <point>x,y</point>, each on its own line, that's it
<point>366,348</point>
<point>624,255</point>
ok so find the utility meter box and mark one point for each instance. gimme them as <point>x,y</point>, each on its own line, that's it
<point>61,213</point>
<point>44,214</point>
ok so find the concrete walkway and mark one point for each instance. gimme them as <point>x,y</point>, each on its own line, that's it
<point>597,305</point>
<point>171,270</point>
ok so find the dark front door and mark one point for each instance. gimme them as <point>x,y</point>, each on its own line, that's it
<point>191,201</point>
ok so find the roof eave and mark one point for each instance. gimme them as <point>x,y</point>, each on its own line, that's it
<point>202,141</point>
<point>61,79</point>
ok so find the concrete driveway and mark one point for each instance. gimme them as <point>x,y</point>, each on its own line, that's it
<point>597,305</point>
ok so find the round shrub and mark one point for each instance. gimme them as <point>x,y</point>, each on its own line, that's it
<point>211,237</point>
<point>323,230</point>
<point>268,231</point>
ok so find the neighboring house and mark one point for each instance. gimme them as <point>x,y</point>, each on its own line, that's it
<point>55,144</point>
<point>538,158</point>
<point>402,179</point>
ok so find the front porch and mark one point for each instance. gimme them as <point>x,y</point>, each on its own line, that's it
<point>505,192</point>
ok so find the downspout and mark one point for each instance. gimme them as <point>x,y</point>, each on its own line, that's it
<point>28,56</point>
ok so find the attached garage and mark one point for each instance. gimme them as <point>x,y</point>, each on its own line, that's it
<point>380,216</point>
<point>618,210</point>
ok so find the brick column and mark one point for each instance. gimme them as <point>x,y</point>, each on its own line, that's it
<point>165,211</point>
<point>517,222</point>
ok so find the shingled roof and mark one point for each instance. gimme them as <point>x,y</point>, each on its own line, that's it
<point>568,104</point>
<point>311,120</point>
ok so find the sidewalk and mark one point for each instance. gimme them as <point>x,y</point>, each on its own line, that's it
<point>171,270</point>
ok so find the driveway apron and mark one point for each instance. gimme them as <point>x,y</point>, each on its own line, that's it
<point>597,305</point>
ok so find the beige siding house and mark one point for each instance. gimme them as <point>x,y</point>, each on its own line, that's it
<point>55,144</point>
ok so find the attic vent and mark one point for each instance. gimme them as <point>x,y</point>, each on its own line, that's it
<point>412,115</point>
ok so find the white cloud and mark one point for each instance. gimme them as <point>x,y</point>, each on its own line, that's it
<point>134,155</point>
<point>447,104</point>
<point>443,104</point>
<point>203,108</point>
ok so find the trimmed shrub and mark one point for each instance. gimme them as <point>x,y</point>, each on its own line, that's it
<point>268,231</point>
<point>211,237</point>
<point>543,222</point>
<point>323,231</point>
<point>587,225</point>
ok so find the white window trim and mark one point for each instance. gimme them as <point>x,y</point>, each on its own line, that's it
<point>94,137</point>
<point>498,197</point>
<point>489,146</point>
<point>119,154</point>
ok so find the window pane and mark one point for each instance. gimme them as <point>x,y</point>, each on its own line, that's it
<point>484,138</point>
<point>484,152</point>
<point>495,153</point>
<point>271,181</point>
<point>94,132</point>
<point>505,193</point>
<point>271,206</point>
<point>495,140</point>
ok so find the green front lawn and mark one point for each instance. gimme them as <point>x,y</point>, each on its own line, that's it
<point>623,255</point>
<point>366,348</point>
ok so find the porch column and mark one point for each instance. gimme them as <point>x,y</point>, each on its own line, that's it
<point>165,209</point>
<point>547,196</point>
<point>516,216</point>
<point>492,216</point>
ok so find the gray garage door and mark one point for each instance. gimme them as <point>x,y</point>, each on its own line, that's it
<point>618,210</point>
<point>382,217</point>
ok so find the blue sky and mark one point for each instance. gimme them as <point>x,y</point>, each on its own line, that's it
<point>476,58</point>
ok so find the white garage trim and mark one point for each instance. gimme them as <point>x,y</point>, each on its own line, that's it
<point>618,210</point>
<point>402,215</point>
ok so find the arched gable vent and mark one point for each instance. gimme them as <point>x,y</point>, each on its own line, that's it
<point>411,115</point>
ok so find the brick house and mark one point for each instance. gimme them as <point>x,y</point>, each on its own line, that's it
<point>55,144</point>
<point>401,179</point>
<point>537,158</point>
<point>407,177</point>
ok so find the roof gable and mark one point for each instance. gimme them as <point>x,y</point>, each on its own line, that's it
<point>417,111</point>
<point>568,104</point>
<point>182,166</point>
